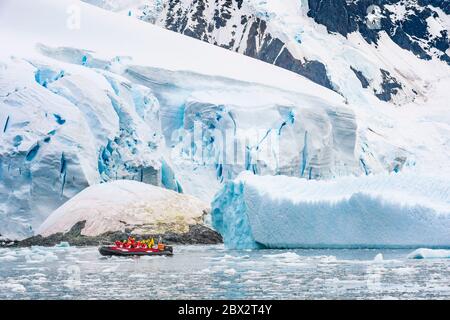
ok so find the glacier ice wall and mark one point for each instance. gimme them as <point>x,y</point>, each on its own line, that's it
<point>65,128</point>
<point>397,210</point>
<point>209,126</point>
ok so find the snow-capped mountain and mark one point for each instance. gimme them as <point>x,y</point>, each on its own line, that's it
<point>333,43</point>
<point>91,96</point>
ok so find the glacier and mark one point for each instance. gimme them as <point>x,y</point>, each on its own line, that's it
<point>68,129</point>
<point>76,112</point>
<point>396,210</point>
<point>112,98</point>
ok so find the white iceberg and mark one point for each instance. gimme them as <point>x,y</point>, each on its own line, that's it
<point>397,210</point>
<point>424,253</point>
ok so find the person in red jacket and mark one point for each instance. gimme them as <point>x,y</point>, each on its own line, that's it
<point>132,242</point>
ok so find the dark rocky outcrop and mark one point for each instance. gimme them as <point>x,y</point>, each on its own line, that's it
<point>389,86</point>
<point>339,16</point>
<point>410,33</point>
<point>259,43</point>
<point>334,15</point>
<point>197,234</point>
<point>213,21</point>
<point>364,82</point>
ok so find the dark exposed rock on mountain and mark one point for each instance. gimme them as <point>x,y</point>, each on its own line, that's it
<point>255,40</point>
<point>409,30</point>
<point>248,27</point>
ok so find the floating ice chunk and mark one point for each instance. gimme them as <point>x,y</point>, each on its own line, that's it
<point>137,275</point>
<point>423,253</point>
<point>378,258</point>
<point>40,255</point>
<point>13,286</point>
<point>63,244</point>
<point>287,256</point>
<point>206,270</point>
<point>250,283</point>
<point>8,256</point>
<point>230,272</point>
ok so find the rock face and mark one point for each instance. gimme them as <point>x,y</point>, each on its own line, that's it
<point>409,23</point>
<point>126,206</point>
<point>410,30</point>
<point>235,26</point>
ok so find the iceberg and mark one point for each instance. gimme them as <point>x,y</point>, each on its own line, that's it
<point>386,210</point>
<point>424,253</point>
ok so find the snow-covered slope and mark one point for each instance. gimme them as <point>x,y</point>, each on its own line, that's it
<point>338,44</point>
<point>395,210</point>
<point>124,204</point>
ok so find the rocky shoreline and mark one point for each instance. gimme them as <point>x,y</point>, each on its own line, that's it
<point>197,234</point>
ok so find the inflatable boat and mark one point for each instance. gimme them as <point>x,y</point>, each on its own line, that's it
<point>119,251</point>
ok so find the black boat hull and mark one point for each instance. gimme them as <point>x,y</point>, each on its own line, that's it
<point>108,251</point>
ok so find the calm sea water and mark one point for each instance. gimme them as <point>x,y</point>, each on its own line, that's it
<point>199,272</point>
